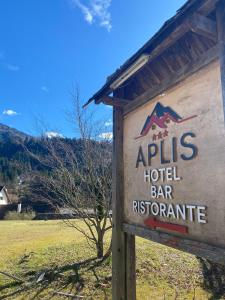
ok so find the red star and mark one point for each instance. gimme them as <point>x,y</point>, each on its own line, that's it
<point>160,135</point>
<point>165,133</point>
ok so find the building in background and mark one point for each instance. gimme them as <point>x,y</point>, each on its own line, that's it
<point>4,197</point>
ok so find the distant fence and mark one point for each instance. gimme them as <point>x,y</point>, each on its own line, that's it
<point>61,216</point>
<point>45,216</point>
<point>58,216</point>
<point>54,216</point>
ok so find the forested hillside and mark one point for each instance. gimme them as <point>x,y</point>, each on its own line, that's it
<point>22,156</point>
<point>16,159</point>
<point>21,153</point>
<point>13,160</point>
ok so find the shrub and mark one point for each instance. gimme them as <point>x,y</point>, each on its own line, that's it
<point>13,215</point>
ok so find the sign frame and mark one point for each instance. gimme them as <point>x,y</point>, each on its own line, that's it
<point>123,248</point>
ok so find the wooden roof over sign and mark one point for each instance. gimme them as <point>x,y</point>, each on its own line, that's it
<point>185,43</point>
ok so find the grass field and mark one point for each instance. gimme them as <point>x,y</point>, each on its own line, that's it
<point>29,249</point>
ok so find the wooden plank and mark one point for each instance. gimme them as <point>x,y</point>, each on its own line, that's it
<point>167,42</point>
<point>220,16</point>
<point>203,26</point>
<point>118,237</point>
<point>170,40</point>
<point>130,267</point>
<point>113,101</point>
<point>207,7</point>
<point>172,80</point>
<point>212,253</point>
<point>154,77</point>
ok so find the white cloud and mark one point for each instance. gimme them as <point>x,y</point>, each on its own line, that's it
<point>13,68</point>
<point>85,10</point>
<point>53,134</point>
<point>9,112</point>
<point>45,89</point>
<point>108,123</point>
<point>96,10</point>
<point>106,135</point>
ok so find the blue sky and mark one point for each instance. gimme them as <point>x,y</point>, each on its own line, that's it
<point>49,46</point>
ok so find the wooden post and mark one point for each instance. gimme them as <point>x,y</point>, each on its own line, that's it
<point>123,245</point>
<point>220,16</point>
<point>118,237</point>
<point>130,267</point>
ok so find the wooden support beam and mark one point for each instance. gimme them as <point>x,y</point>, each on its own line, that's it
<point>172,80</point>
<point>130,267</point>
<point>123,245</point>
<point>118,236</point>
<point>113,101</point>
<point>167,42</point>
<point>170,40</point>
<point>203,26</point>
<point>197,248</point>
<point>220,16</point>
<point>207,7</point>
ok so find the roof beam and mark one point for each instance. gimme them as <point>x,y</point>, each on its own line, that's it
<point>113,101</point>
<point>203,26</point>
<point>167,42</point>
<point>170,40</point>
<point>171,81</point>
<point>207,7</point>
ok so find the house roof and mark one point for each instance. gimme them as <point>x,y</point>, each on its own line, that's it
<point>168,27</point>
<point>1,187</point>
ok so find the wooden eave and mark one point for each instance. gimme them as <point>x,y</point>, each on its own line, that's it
<point>184,44</point>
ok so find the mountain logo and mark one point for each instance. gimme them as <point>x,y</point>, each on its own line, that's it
<point>160,117</point>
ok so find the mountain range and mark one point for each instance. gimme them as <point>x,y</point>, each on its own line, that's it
<point>17,153</point>
<point>7,132</point>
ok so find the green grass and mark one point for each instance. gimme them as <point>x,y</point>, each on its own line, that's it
<point>29,247</point>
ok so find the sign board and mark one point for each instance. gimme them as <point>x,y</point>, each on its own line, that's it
<point>174,161</point>
<point>169,142</point>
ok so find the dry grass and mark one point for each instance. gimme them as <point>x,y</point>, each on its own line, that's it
<point>29,248</point>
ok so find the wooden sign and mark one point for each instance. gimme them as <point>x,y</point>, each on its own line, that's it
<point>169,141</point>
<point>174,158</point>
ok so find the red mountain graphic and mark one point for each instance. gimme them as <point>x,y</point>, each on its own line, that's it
<point>160,117</point>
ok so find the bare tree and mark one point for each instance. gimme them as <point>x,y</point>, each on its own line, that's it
<point>78,178</point>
